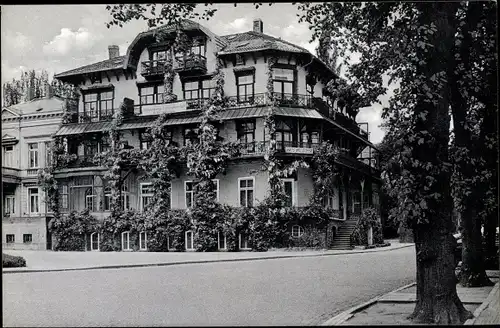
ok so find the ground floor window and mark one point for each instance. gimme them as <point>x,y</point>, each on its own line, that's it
<point>297,231</point>
<point>94,241</point>
<point>222,240</point>
<point>27,238</point>
<point>189,240</point>
<point>289,189</point>
<point>244,243</point>
<point>10,239</point>
<point>170,242</point>
<point>142,240</point>
<point>125,241</point>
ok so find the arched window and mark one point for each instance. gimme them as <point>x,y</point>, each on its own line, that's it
<point>94,241</point>
<point>189,240</point>
<point>89,200</point>
<point>142,240</point>
<point>297,231</point>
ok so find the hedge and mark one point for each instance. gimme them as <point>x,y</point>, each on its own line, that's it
<point>10,261</point>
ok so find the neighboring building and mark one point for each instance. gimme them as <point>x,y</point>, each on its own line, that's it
<point>306,117</point>
<point>27,129</point>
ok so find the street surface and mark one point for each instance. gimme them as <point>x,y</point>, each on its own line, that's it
<point>296,291</point>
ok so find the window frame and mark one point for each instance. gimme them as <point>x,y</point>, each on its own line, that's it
<point>191,194</point>
<point>92,242</point>
<point>247,97</point>
<point>282,82</point>
<point>91,196</point>
<point>200,94</point>
<point>10,205</point>
<point>127,233</point>
<point>186,239</point>
<point>7,237</point>
<point>141,240</point>
<point>8,156</point>
<point>219,233</point>
<point>196,132</point>
<point>300,231</point>
<point>98,103</point>
<point>247,241</point>
<point>27,236</point>
<point>142,195</point>
<point>292,181</point>
<point>64,196</point>
<point>157,97</point>
<point>30,209</point>
<point>36,155</point>
<point>246,189</point>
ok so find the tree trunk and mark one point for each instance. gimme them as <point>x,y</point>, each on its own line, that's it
<point>437,299</point>
<point>490,248</point>
<point>472,271</point>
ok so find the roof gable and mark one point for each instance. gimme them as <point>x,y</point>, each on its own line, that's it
<point>9,113</point>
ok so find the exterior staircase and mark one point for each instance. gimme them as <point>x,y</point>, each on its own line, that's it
<point>342,239</point>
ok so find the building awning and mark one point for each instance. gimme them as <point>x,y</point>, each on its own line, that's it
<point>366,142</point>
<point>297,112</point>
<point>79,128</point>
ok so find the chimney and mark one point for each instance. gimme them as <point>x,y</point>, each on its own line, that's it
<point>114,51</point>
<point>258,26</point>
<point>49,92</point>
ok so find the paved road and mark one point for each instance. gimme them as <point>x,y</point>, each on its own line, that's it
<point>300,291</point>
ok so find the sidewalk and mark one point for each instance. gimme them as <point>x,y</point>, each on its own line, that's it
<point>37,261</point>
<point>395,307</point>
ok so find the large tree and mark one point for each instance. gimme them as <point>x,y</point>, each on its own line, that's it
<point>412,43</point>
<point>16,91</point>
<point>474,68</point>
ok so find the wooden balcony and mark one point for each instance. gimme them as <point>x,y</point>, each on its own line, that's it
<point>153,68</point>
<point>193,63</point>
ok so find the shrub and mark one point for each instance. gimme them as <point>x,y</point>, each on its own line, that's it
<point>369,218</point>
<point>10,261</point>
<point>311,238</point>
<point>69,230</point>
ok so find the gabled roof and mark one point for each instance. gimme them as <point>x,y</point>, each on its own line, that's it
<point>37,106</point>
<point>104,65</point>
<point>255,41</point>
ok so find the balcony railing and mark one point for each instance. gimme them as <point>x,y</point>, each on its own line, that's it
<point>190,62</point>
<point>84,161</point>
<point>153,67</point>
<point>258,148</point>
<point>261,99</point>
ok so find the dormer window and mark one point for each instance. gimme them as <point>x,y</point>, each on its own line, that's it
<point>240,60</point>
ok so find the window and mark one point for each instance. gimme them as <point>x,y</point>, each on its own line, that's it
<point>125,198</point>
<point>331,200</point>
<point>89,200</point>
<point>289,189</point>
<point>142,240</point>
<point>245,87</point>
<point>198,48</point>
<point>98,105</point>
<point>190,136</point>
<point>27,238</point>
<point>283,135</point>
<point>146,195</point>
<point>125,241</point>
<point>48,154</point>
<point>64,197</point>
<point>309,138</point>
<point>246,191</point>
<point>10,239</point>
<point>222,240</point>
<point>146,140</point>
<point>159,56</point>
<point>297,231</point>
<point>283,82</point>
<point>33,155</point>
<point>240,60</point>
<point>246,135</point>
<point>310,89</point>
<point>34,200</point>
<point>94,241</point>
<point>189,240</point>
<point>152,94</point>
<point>216,182</point>
<point>201,89</point>
<point>189,193</point>
<point>243,241</point>
<point>107,199</point>
<point>8,156</point>
<point>9,207</point>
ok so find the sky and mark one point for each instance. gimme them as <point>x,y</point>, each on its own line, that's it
<point>58,38</point>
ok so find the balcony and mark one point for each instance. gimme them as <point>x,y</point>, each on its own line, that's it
<point>84,161</point>
<point>191,63</point>
<point>258,148</point>
<point>281,99</point>
<point>152,68</point>
<point>11,175</point>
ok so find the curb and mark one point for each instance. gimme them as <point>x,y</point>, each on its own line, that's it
<point>483,306</point>
<point>118,266</point>
<point>346,315</point>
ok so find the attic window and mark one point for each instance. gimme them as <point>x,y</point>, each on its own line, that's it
<point>240,60</point>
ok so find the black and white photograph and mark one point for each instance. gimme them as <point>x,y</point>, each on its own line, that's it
<point>250,164</point>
